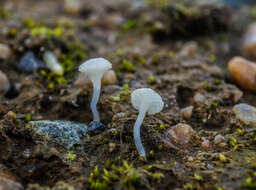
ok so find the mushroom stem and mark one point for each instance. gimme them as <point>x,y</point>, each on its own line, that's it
<point>136,132</point>
<point>95,99</point>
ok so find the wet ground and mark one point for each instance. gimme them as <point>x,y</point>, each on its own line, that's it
<point>180,50</point>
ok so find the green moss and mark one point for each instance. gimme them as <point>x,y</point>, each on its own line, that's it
<point>119,52</point>
<point>212,58</point>
<point>128,25</point>
<point>197,177</point>
<point>222,158</point>
<point>4,14</point>
<point>162,127</point>
<point>29,23</point>
<point>48,32</point>
<point>123,95</point>
<point>214,104</point>
<point>248,183</point>
<point>151,80</point>
<point>127,66</point>
<point>188,187</point>
<point>217,81</point>
<point>70,156</point>
<point>233,141</point>
<point>116,133</point>
<point>140,60</point>
<point>28,117</point>
<point>239,132</point>
<point>171,54</point>
<point>13,32</point>
<point>125,175</point>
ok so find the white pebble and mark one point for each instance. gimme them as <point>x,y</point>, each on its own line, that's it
<point>219,139</point>
<point>52,63</point>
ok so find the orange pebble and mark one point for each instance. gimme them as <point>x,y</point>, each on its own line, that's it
<point>243,72</point>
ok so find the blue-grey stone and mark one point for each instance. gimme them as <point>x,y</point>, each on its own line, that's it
<point>63,133</point>
<point>30,63</point>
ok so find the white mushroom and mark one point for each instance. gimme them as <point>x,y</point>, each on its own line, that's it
<point>94,69</point>
<point>145,100</point>
<point>52,63</point>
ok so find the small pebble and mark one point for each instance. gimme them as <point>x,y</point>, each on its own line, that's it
<point>205,144</point>
<point>52,63</point>
<point>180,134</point>
<point>219,139</point>
<point>5,51</point>
<point>95,128</point>
<point>187,112</point>
<point>245,113</point>
<point>109,77</point>
<point>4,83</point>
<point>30,63</point>
<point>243,72</point>
<point>72,6</point>
<point>249,40</point>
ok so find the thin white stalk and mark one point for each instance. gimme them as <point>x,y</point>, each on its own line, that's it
<point>136,132</point>
<point>95,99</point>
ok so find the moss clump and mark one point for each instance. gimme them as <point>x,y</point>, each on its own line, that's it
<point>233,141</point>
<point>123,95</point>
<point>126,175</point>
<point>127,66</point>
<point>140,60</point>
<point>222,158</point>
<point>249,183</point>
<point>128,25</point>
<point>12,32</point>
<point>213,58</point>
<point>4,14</point>
<point>171,54</point>
<point>42,30</point>
<point>29,23</point>
<point>70,156</point>
<point>28,117</point>
<point>151,80</point>
<point>197,177</point>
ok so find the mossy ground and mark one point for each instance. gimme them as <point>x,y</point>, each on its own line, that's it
<point>177,70</point>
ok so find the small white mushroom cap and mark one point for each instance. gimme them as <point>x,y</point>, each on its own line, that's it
<point>95,68</point>
<point>148,99</point>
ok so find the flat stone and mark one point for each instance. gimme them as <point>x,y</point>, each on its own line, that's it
<point>245,113</point>
<point>63,133</point>
<point>30,63</point>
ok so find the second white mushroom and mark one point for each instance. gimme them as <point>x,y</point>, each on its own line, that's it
<point>145,100</point>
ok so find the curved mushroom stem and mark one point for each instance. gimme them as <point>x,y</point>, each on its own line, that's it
<point>95,99</point>
<point>136,132</point>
